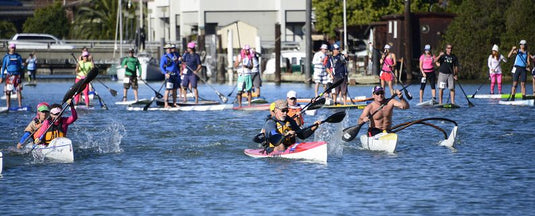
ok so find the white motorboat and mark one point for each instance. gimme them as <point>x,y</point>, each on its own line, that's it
<point>59,150</point>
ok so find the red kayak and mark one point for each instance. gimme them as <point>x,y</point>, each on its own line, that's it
<point>312,151</point>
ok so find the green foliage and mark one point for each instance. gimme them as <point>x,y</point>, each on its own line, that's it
<point>96,21</point>
<point>7,29</point>
<point>480,24</point>
<point>49,20</point>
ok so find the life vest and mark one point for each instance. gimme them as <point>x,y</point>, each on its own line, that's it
<point>293,112</point>
<point>84,68</point>
<point>283,127</point>
<point>53,132</point>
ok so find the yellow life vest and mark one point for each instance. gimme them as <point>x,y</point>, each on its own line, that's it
<point>55,131</point>
<point>84,68</point>
<point>283,128</point>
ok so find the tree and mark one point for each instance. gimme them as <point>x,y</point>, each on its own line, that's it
<point>50,20</point>
<point>96,21</point>
<point>7,29</point>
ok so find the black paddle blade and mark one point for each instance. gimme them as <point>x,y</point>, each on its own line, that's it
<point>316,104</point>
<point>113,92</point>
<point>334,85</point>
<point>408,94</point>
<point>222,97</point>
<point>337,117</point>
<point>146,107</point>
<point>351,132</point>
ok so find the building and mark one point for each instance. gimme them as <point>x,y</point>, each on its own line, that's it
<point>174,20</point>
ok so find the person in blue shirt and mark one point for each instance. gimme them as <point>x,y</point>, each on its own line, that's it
<point>520,68</point>
<point>336,67</point>
<point>169,66</point>
<point>31,67</point>
<point>191,62</point>
<point>11,71</point>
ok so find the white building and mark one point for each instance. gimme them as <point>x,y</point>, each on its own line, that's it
<point>173,20</point>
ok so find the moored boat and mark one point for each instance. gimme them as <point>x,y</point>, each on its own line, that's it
<point>310,151</point>
<point>518,102</point>
<point>59,150</point>
<point>380,142</point>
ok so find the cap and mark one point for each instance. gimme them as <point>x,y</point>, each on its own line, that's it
<point>336,46</point>
<point>291,94</point>
<point>272,107</point>
<point>173,46</point>
<point>247,47</point>
<point>387,46</point>
<point>377,89</point>
<point>323,46</point>
<point>523,42</point>
<point>191,45</point>
<point>281,104</point>
<point>167,46</point>
<point>427,47</point>
<point>12,45</point>
<point>131,50</point>
<point>495,48</point>
<point>43,107</point>
<point>85,53</point>
<point>55,111</point>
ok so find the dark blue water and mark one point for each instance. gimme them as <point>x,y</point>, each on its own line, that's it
<point>192,163</point>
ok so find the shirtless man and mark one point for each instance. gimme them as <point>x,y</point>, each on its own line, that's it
<point>382,119</point>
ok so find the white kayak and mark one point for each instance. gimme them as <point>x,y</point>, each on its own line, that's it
<point>380,142</point>
<point>216,107</point>
<point>59,150</point>
<point>309,151</point>
<point>133,102</point>
<point>518,102</point>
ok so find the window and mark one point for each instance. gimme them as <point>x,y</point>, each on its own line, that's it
<point>294,32</point>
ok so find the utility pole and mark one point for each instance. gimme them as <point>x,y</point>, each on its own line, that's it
<point>308,42</point>
<point>277,53</point>
<point>408,41</point>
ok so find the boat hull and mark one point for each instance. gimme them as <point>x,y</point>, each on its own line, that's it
<point>310,151</point>
<point>380,142</point>
<point>59,150</point>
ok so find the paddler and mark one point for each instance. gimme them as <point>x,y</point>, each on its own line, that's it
<point>12,65</point>
<point>382,119</point>
<point>280,130</point>
<point>131,65</point>
<point>294,109</point>
<point>82,69</point>
<point>244,63</point>
<point>169,66</point>
<point>55,126</point>
<point>43,110</point>
<point>191,62</point>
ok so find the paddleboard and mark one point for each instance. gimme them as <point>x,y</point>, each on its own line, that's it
<point>518,102</point>
<point>1,163</point>
<point>13,95</point>
<point>216,107</point>
<point>252,107</point>
<point>259,100</point>
<point>20,109</point>
<point>427,103</point>
<point>83,107</point>
<point>347,106</point>
<point>133,102</point>
<point>447,106</point>
<point>499,96</point>
<point>4,110</point>
<point>348,100</point>
<point>30,84</point>
<point>160,102</point>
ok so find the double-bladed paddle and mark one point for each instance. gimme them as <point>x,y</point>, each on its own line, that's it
<point>351,132</point>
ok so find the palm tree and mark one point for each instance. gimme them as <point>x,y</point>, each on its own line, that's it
<point>96,21</point>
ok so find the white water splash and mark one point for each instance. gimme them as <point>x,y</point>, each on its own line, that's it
<point>107,140</point>
<point>332,134</point>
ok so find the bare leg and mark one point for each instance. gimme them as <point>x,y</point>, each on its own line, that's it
<point>19,97</point>
<point>173,92</point>
<point>523,88</point>
<point>421,95</point>
<point>8,99</point>
<point>440,93</point>
<point>249,97</point>
<point>239,98</point>
<point>196,93</point>
<point>316,89</point>
<point>165,97</point>
<point>391,88</point>
<point>135,94</point>
<point>125,91</point>
<point>452,95</point>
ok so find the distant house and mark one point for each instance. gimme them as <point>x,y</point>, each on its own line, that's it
<point>242,33</point>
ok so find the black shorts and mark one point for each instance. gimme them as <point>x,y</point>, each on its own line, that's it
<point>519,74</point>
<point>342,88</point>
<point>132,81</point>
<point>431,77</point>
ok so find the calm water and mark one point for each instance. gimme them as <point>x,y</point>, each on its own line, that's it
<point>192,163</point>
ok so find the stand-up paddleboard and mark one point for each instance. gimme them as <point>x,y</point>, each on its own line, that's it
<point>13,95</point>
<point>1,163</point>
<point>216,107</point>
<point>160,102</point>
<point>254,100</point>
<point>30,84</point>
<point>447,106</point>
<point>427,103</point>
<point>20,109</point>
<point>252,107</point>
<point>518,102</point>
<point>500,96</point>
<point>4,110</point>
<point>133,102</point>
<point>83,107</point>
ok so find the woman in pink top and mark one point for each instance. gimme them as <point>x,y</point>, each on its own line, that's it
<point>55,126</point>
<point>427,69</point>
<point>495,70</point>
<point>388,60</point>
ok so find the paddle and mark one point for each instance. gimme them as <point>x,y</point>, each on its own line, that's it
<point>158,95</point>
<point>470,104</point>
<point>100,100</point>
<point>146,107</point>
<point>112,92</point>
<point>334,118</point>
<point>229,94</point>
<point>407,93</point>
<point>328,89</point>
<point>351,132</point>
<point>221,96</point>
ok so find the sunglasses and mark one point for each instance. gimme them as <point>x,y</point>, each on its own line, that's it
<point>292,98</point>
<point>379,93</point>
<point>54,113</point>
<point>283,110</point>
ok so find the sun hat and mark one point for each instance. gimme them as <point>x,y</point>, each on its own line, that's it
<point>246,47</point>
<point>12,45</point>
<point>523,42</point>
<point>167,46</point>
<point>495,48</point>
<point>387,46</point>
<point>43,107</point>
<point>85,53</point>
<point>191,45</point>
<point>291,94</point>
<point>427,47</point>
<point>55,111</point>
<point>323,46</point>
<point>377,89</point>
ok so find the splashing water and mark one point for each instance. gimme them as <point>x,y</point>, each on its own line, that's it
<point>104,141</point>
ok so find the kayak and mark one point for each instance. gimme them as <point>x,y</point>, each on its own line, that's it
<point>253,107</point>
<point>348,106</point>
<point>518,102</point>
<point>447,106</point>
<point>216,107</point>
<point>310,151</point>
<point>133,102</point>
<point>59,150</point>
<point>427,103</point>
<point>380,142</point>
<point>499,96</point>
